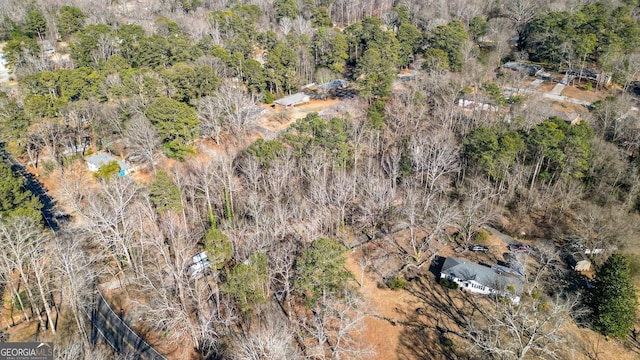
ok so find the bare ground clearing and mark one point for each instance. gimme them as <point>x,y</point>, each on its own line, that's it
<point>546,87</point>
<point>578,92</point>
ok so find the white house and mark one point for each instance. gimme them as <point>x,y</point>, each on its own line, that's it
<point>96,161</point>
<point>476,105</point>
<point>479,279</point>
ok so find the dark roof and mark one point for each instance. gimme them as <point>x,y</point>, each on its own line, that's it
<point>484,275</point>
<point>522,67</point>
<point>338,83</point>
<point>577,257</point>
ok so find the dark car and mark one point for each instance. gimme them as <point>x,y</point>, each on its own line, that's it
<point>518,248</point>
<point>479,248</point>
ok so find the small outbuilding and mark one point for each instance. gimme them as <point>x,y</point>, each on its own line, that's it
<point>293,100</point>
<point>96,161</point>
<point>570,118</point>
<point>579,262</point>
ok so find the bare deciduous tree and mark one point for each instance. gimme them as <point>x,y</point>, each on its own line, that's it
<point>232,109</point>
<point>111,215</point>
<point>77,268</point>
<point>548,265</point>
<point>269,337</point>
<point>336,326</point>
<point>476,210</point>
<point>142,140</point>
<point>434,157</point>
<point>513,331</point>
<point>22,242</point>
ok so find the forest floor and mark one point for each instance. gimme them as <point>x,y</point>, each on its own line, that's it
<point>580,93</point>
<point>545,87</point>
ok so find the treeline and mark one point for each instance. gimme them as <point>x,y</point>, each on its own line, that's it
<point>555,149</point>
<point>595,34</point>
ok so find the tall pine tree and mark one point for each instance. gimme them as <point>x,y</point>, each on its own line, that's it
<point>613,298</point>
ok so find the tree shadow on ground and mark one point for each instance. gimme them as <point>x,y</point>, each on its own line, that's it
<point>633,341</point>
<point>435,321</point>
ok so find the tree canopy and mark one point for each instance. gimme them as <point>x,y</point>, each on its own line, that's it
<point>590,33</point>
<point>246,282</point>
<point>177,125</point>
<point>15,199</point>
<point>555,149</point>
<point>613,298</point>
<point>164,193</point>
<point>320,271</point>
<point>449,38</point>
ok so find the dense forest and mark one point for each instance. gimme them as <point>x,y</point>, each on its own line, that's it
<point>426,146</point>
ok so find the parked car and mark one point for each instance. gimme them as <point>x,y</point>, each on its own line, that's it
<point>518,248</point>
<point>479,248</point>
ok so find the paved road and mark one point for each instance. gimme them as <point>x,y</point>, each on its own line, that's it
<point>557,90</point>
<point>534,85</point>
<point>112,329</point>
<point>506,239</point>
<point>566,99</point>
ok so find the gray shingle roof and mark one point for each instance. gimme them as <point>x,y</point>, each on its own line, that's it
<point>101,159</point>
<point>292,99</point>
<point>484,275</point>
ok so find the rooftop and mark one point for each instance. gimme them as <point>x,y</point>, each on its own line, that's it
<point>292,99</point>
<point>101,159</point>
<point>481,274</point>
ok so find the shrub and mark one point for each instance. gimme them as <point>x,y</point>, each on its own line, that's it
<point>449,284</point>
<point>634,265</point>
<point>107,170</point>
<point>481,237</point>
<point>268,97</point>
<point>397,283</point>
<point>515,99</point>
<point>446,342</point>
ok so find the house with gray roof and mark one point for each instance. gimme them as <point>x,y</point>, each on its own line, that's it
<point>293,100</point>
<point>479,279</point>
<point>96,161</point>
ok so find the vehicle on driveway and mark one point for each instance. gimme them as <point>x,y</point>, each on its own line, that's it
<point>519,248</point>
<point>479,248</point>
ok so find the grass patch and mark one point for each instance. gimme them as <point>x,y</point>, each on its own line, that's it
<point>397,283</point>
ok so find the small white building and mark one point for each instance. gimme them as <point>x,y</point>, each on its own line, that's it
<point>293,100</point>
<point>580,262</point>
<point>200,263</point>
<point>96,161</point>
<point>476,106</point>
